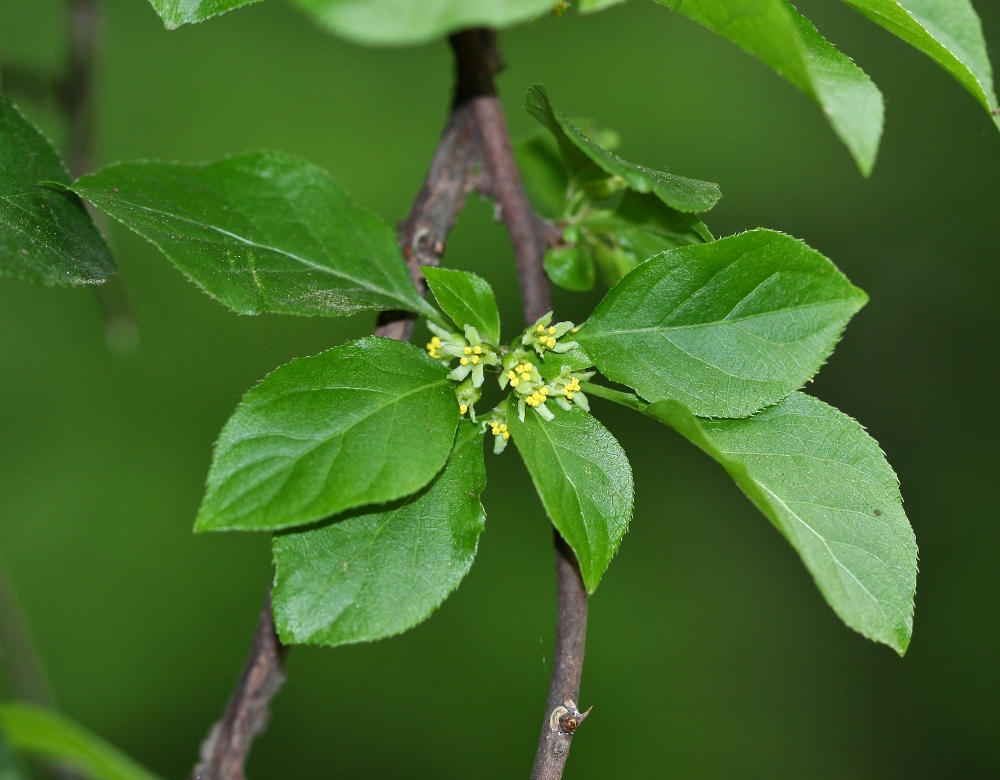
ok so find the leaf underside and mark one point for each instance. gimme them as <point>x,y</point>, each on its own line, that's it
<point>947,31</point>
<point>726,328</point>
<point>46,235</point>
<point>578,150</point>
<point>364,423</point>
<point>584,481</point>
<point>826,486</point>
<point>777,34</point>
<point>261,232</point>
<point>370,575</point>
<point>401,22</point>
<point>177,12</point>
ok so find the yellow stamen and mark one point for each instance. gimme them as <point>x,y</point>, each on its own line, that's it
<point>552,330</point>
<point>464,361</point>
<point>515,382</point>
<point>477,350</point>
<point>475,359</point>
<point>541,328</point>
<point>462,409</point>
<point>511,375</point>
<point>506,435</point>
<point>467,350</point>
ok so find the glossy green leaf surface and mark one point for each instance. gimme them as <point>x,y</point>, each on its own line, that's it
<point>364,423</point>
<point>54,737</point>
<point>572,268</point>
<point>543,172</point>
<point>177,12</point>
<point>261,232</point>
<point>400,22</point>
<point>467,298</point>
<point>726,328</point>
<point>46,235</point>
<point>584,480</point>
<point>577,148</point>
<point>826,486</point>
<point>948,31</point>
<point>776,33</point>
<point>371,575</point>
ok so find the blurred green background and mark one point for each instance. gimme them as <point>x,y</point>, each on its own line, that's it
<point>711,653</point>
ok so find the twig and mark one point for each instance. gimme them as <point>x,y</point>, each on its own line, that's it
<point>530,237</point>
<point>422,238</point>
<point>562,716</point>
<point>225,749</point>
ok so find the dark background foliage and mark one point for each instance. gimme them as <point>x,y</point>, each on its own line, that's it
<point>711,654</point>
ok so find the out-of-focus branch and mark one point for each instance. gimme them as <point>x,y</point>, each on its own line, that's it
<point>24,672</point>
<point>76,97</point>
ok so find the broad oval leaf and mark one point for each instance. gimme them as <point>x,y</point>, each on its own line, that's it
<point>177,12</point>
<point>46,235</point>
<point>948,31</point>
<point>776,33</point>
<point>681,193</point>
<point>364,423</point>
<point>49,735</point>
<point>571,268</point>
<point>261,232</point>
<point>371,575</point>
<point>584,480</point>
<point>401,22</point>
<point>727,327</point>
<point>826,486</point>
<point>467,298</point>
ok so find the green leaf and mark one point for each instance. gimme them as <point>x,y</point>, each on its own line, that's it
<point>467,299</point>
<point>543,172</point>
<point>592,6</point>
<point>550,366</point>
<point>826,486</point>
<point>571,267</point>
<point>776,33</point>
<point>578,151</point>
<point>52,736</point>
<point>400,22</point>
<point>948,31</point>
<point>364,423</point>
<point>46,235</point>
<point>261,232</point>
<point>584,480</point>
<point>651,215</point>
<point>726,328</point>
<point>372,575</point>
<point>177,12</point>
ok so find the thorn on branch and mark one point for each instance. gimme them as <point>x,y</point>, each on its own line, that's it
<point>566,718</point>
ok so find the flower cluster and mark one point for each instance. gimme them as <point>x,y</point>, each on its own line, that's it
<point>516,368</point>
